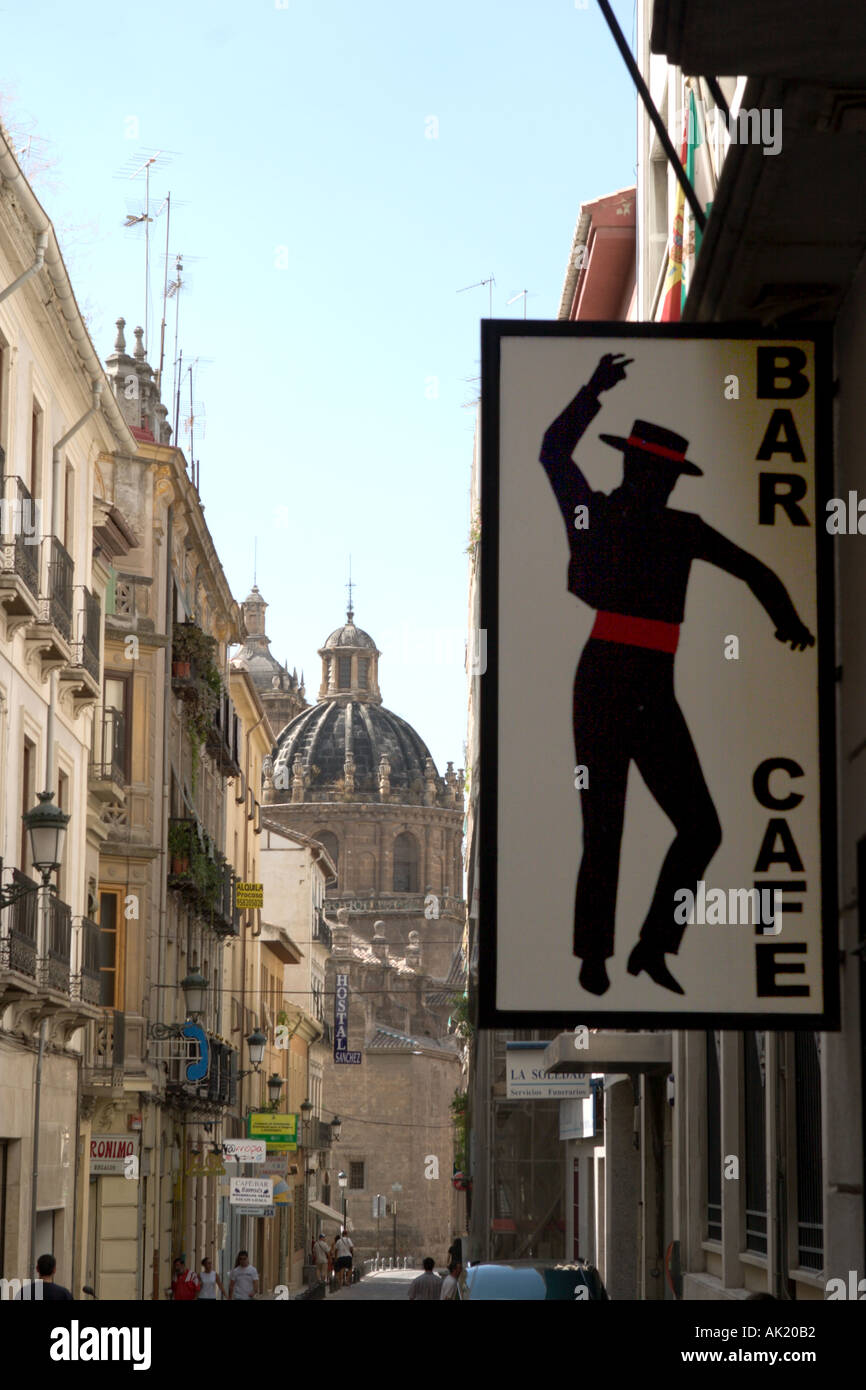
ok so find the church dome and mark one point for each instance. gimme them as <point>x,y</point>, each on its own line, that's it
<point>348,745</point>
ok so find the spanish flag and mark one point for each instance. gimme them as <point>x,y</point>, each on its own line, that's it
<point>672,291</point>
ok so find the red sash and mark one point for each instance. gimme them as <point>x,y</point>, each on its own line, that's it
<point>636,632</point>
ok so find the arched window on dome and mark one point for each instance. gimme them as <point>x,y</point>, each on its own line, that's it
<point>344,673</point>
<point>363,672</point>
<point>406,875</point>
<point>328,839</point>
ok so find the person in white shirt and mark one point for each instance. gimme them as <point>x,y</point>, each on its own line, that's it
<point>209,1281</point>
<point>343,1248</point>
<point>450,1285</point>
<point>244,1279</point>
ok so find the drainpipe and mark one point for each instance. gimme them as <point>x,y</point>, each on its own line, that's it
<point>34,1186</point>
<point>41,247</point>
<point>242,1083</point>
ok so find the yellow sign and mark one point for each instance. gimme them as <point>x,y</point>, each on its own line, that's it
<point>249,895</point>
<point>279,1131</point>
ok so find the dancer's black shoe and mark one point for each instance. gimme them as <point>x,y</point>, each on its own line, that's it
<point>643,957</point>
<point>593,977</point>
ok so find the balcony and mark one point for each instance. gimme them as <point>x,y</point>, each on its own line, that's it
<point>609,1051</point>
<point>56,962</point>
<point>48,640</point>
<point>80,679</point>
<point>87,985</point>
<point>223,740</point>
<point>19,554</point>
<point>216,1090</point>
<point>105,1052</point>
<point>18,942</point>
<point>200,872</point>
<point>321,930</point>
<point>107,773</point>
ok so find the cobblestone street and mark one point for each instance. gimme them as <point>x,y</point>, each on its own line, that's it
<point>387,1284</point>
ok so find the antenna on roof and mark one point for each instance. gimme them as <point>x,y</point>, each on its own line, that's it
<point>524,295</point>
<point>489,281</point>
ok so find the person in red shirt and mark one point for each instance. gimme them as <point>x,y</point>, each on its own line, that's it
<point>184,1284</point>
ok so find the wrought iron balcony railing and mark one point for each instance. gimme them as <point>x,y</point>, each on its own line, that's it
<point>89,980</point>
<point>60,577</point>
<point>18,947</point>
<point>20,533</point>
<point>321,930</point>
<point>90,638</point>
<point>57,956</point>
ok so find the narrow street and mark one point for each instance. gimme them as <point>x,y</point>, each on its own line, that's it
<point>387,1284</point>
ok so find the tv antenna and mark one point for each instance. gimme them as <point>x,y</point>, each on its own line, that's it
<point>478,283</point>
<point>138,217</point>
<point>524,295</point>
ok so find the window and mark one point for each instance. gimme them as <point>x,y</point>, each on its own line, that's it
<point>356,1177</point>
<point>69,508</point>
<point>363,672</point>
<point>117,723</point>
<point>405,864</point>
<point>714,1142</point>
<point>810,1207</point>
<point>63,804</point>
<point>34,480</point>
<point>344,672</point>
<point>756,1149</point>
<point>28,796</point>
<point>111,948</point>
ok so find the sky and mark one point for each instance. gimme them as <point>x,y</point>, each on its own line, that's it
<point>338,172</point>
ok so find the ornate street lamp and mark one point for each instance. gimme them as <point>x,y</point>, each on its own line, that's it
<point>257,1042</point>
<point>344,1183</point>
<point>194,987</point>
<point>46,828</point>
<point>275,1086</point>
<point>336,1129</point>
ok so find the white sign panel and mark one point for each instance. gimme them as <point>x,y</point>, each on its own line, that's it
<point>526,1079</point>
<point>244,1150</point>
<point>108,1152</point>
<point>577,1118</point>
<point>251,1192</point>
<point>657,534</point>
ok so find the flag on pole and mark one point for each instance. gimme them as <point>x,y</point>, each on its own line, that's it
<point>701,175</point>
<point>672,290</point>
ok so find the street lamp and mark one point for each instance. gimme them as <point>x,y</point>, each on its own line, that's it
<point>396,1188</point>
<point>336,1129</point>
<point>257,1042</point>
<point>344,1183</point>
<point>194,986</point>
<point>275,1086</point>
<point>46,827</point>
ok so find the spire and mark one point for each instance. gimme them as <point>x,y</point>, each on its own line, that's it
<point>138,350</point>
<point>120,341</point>
<point>350,613</point>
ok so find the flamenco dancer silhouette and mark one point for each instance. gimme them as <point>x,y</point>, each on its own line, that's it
<point>631,563</point>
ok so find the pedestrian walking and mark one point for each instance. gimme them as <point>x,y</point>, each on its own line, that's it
<point>630,560</point>
<point>450,1284</point>
<point>321,1257</point>
<point>209,1281</point>
<point>49,1291</point>
<point>184,1284</point>
<point>244,1279</point>
<point>428,1286</point>
<point>343,1248</point>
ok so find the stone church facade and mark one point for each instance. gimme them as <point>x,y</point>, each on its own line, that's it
<point>355,776</point>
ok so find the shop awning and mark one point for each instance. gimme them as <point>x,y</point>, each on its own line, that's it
<point>327,1212</point>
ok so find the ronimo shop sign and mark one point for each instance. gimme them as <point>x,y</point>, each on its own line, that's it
<point>108,1152</point>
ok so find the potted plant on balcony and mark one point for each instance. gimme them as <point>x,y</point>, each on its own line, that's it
<point>178,848</point>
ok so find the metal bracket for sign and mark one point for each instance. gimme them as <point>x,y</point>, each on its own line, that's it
<point>652,111</point>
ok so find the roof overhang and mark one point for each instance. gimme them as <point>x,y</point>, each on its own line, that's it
<point>628,1053</point>
<point>773,38</point>
<point>787,232</point>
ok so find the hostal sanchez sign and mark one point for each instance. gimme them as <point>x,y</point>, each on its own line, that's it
<point>657,787</point>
